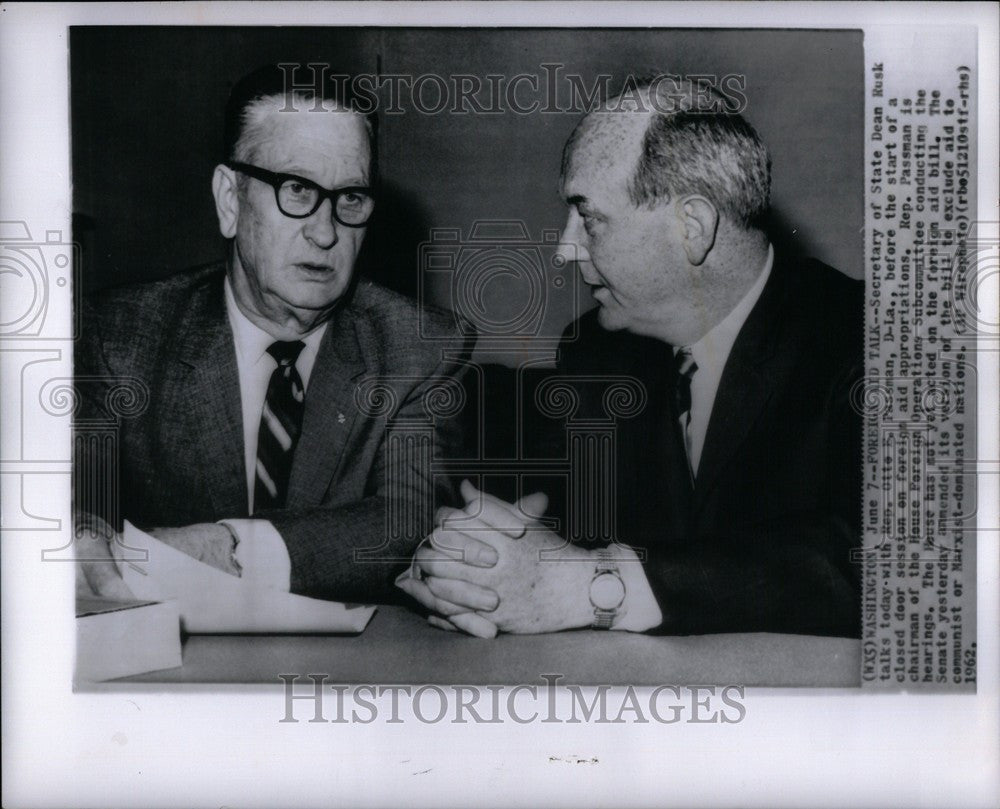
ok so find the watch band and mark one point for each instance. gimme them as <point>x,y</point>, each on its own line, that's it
<point>604,617</point>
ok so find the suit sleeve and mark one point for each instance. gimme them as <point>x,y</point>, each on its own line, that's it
<point>791,574</point>
<point>354,552</point>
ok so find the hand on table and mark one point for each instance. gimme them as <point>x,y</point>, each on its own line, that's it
<point>455,533</point>
<point>484,570</point>
<point>96,570</point>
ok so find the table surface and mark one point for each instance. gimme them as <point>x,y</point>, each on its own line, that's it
<point>399,646</point>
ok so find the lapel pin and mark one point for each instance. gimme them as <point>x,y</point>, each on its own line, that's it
<point>341,418</point>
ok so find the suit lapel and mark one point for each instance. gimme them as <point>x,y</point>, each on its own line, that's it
<point>677,471</point>
<point>656,501</point>
<point>211,398</point>
<point>330,411</point>
<point>745,387</point>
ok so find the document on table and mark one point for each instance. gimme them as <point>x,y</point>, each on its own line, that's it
<point>212,601</point>
<point>119,638</point>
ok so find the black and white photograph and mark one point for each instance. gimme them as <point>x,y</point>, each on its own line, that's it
<point>497,404</point>
<point>454,453</point>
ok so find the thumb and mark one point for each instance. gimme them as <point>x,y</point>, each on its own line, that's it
<point>533,505</point>
<point>469,492</point>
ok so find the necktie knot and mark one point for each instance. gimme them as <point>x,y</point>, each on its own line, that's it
<point>285,353</point>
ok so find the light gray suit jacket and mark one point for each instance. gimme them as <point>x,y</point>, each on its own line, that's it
<point>158,361</point>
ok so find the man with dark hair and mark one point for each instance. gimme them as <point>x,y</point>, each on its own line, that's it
<point>738,489</point>
<point>260,450</point>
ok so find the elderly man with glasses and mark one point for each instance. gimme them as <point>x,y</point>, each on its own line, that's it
<point>261,449</point>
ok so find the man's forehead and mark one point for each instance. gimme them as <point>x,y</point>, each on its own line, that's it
<point>607,146</point>
<point>338,126</point>
<point>337,133</point>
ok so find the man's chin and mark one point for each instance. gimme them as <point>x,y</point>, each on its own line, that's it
<point>610,321</point>
<point>316,296</point>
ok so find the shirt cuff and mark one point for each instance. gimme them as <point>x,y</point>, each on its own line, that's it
<point>639,612</point>
<point>261,553</point>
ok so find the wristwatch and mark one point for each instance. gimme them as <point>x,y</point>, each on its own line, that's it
<point>607,590</point>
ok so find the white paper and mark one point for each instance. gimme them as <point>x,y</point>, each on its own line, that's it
<point>211,601</point>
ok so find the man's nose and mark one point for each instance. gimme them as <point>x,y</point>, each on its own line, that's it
<point>321,227</point>
<point>572,240</point>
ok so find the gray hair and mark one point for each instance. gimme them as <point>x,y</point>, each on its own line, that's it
<point>694,144</point>
<point>252,133</point>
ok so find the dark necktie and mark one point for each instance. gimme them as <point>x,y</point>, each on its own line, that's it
<point>280,425</point>
<point>685,366</point>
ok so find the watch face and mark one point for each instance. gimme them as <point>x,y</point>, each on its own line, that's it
<point>607,591</point>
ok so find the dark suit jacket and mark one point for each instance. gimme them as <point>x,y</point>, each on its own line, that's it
<point>181,460</point>
<point>763,541</point>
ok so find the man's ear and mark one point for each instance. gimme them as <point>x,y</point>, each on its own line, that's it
<point>227,200</point>
<point>700,222</point>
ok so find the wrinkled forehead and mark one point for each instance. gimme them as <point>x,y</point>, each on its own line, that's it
<point>300,128</point>
<point>605,147</point>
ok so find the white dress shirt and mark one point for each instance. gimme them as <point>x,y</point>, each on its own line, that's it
<point>261,552</point>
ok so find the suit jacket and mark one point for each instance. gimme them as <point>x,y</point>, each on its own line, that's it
<point>352,517</point>
<point>763,540</point>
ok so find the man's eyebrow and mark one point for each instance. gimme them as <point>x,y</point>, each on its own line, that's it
<point>298,176</point>
<point>361,184</point>
<point>297,173</point>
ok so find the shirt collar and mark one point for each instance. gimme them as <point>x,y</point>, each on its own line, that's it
<point>715,346</point>
<point>251,340</point>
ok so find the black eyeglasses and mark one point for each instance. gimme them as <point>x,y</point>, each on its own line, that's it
<point>298,197</point>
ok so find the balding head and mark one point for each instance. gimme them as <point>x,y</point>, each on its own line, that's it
<point>679,138</point>
<point>666,192</point>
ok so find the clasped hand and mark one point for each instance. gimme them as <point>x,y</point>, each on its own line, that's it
<point>493,566</point>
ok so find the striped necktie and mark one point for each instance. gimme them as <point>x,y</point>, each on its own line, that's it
<point>685,366</point>
<point>280,425</point>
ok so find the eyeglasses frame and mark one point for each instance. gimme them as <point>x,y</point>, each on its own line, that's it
<point>276,179</point>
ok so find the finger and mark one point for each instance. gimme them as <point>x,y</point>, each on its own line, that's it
<point>527,509</point>
<point>96,571</point>
<point>462,593</point>
<point>432,562</point>
<point>469,492</point>
<point>444,513</point>
<point>494,512</point>
<point>103,580</point>
<point>412,572</point>
<point>475,625</point>
<point>533,505</point>
<point>441,623</point>
<point>471,544</point>
<point>418,591</point>
<point>421,593</point>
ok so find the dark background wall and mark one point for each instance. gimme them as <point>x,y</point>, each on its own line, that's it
<point>147,120</point>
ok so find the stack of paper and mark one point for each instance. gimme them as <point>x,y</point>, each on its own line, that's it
<point>211,601</point>
<point>118,638</point>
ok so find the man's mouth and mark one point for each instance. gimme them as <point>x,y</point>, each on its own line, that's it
<point>317,268</point>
